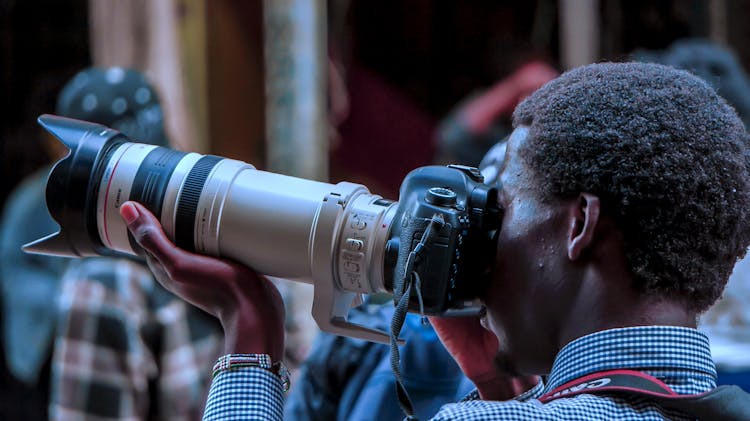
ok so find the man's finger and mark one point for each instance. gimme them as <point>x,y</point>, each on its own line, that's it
<point>147,231</point>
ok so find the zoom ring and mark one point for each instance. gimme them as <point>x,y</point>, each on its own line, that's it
<point>187,204</point>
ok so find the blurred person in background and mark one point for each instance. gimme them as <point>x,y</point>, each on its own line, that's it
<point>479,121</point>
<point>351,379</point>
<point>727,323</point>
<point>125,348</point>
<point>29,284</point>
<point>718,65</point>
<point>122,346</point>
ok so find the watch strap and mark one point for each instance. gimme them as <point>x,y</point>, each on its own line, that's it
<point>234,361</point>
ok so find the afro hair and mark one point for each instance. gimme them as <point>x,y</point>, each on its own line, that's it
<point>668,159</point>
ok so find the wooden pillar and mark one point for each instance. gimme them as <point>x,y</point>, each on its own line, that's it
<point>296,72</point>
<point>165,39</point>
<point>579,32</point>
<point>235,77</point>
<point>296,69</point>
<point>718,28</point>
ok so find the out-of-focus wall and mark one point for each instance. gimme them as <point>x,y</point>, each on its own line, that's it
<point>236,118</point>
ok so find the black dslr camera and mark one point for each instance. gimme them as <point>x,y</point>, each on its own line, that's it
<point>457,263</point>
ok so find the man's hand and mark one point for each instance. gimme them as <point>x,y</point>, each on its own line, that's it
<point>248,305</point>
<point>474,348</point>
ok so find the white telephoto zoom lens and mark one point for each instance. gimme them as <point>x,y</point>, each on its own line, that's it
<point>278,225</point>
<point>331,235</point>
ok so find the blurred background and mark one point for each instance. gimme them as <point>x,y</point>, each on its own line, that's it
<point>355,90</point>
<point>402,64</point>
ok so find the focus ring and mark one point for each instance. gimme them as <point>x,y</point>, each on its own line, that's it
<point>152,178</point>
<point>187,204</point>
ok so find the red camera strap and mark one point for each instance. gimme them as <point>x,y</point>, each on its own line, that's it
<point>613,380</point>
<point>722,403</point>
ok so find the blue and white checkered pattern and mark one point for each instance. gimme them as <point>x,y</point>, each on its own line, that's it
<point>248,393</point>
<point>680,357</point>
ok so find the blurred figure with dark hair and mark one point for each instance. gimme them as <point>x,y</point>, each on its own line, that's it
<point>122,346</point>
<point>483,118</point>
<point>712,62</point>
<point>116,97</point>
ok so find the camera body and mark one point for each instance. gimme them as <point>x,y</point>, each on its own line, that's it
<point>457,265</point>
<point>341,238</point>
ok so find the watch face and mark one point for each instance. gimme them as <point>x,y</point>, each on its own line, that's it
<point>283,372</point>
<point>235,361</point>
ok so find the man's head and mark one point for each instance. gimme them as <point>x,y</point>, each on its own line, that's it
<point>631,171</point>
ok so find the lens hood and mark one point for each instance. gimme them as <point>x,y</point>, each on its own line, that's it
<point>71,186</point>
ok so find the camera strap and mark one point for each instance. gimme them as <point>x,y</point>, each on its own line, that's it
<point>411,279</point>
<point>722,403</point>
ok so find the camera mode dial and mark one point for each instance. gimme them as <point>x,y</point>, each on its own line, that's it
<point>440,196</point>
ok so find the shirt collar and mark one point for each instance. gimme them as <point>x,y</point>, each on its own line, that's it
<point>680,356</point>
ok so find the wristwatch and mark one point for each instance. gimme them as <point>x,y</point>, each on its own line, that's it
<point>264,361</point>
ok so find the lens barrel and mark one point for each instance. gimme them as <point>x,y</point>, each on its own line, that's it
<point>187,205</point>
<point>211,205</point>
<point>341,238</point>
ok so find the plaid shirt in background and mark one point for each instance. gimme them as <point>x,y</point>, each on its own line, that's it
<point>126,349</point>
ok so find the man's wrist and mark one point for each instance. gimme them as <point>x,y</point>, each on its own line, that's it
<point>241,337</point>
<point>231,362</point>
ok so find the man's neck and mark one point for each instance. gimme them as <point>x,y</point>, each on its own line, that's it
<point>608,306</point>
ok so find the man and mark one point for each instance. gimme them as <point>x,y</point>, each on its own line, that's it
<point>626,193</point>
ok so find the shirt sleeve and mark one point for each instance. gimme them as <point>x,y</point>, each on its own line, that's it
<point>246,393</point>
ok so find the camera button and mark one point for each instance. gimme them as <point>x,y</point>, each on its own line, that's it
<point>352,256</point>
<point>358,224</point>
<point>351,267</point>
<point>354,245</point>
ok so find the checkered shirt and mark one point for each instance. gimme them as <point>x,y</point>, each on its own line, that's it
<point>680,357</point>
<point>126,349</point>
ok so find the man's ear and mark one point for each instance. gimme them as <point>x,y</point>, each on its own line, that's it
<point>584,219</point>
